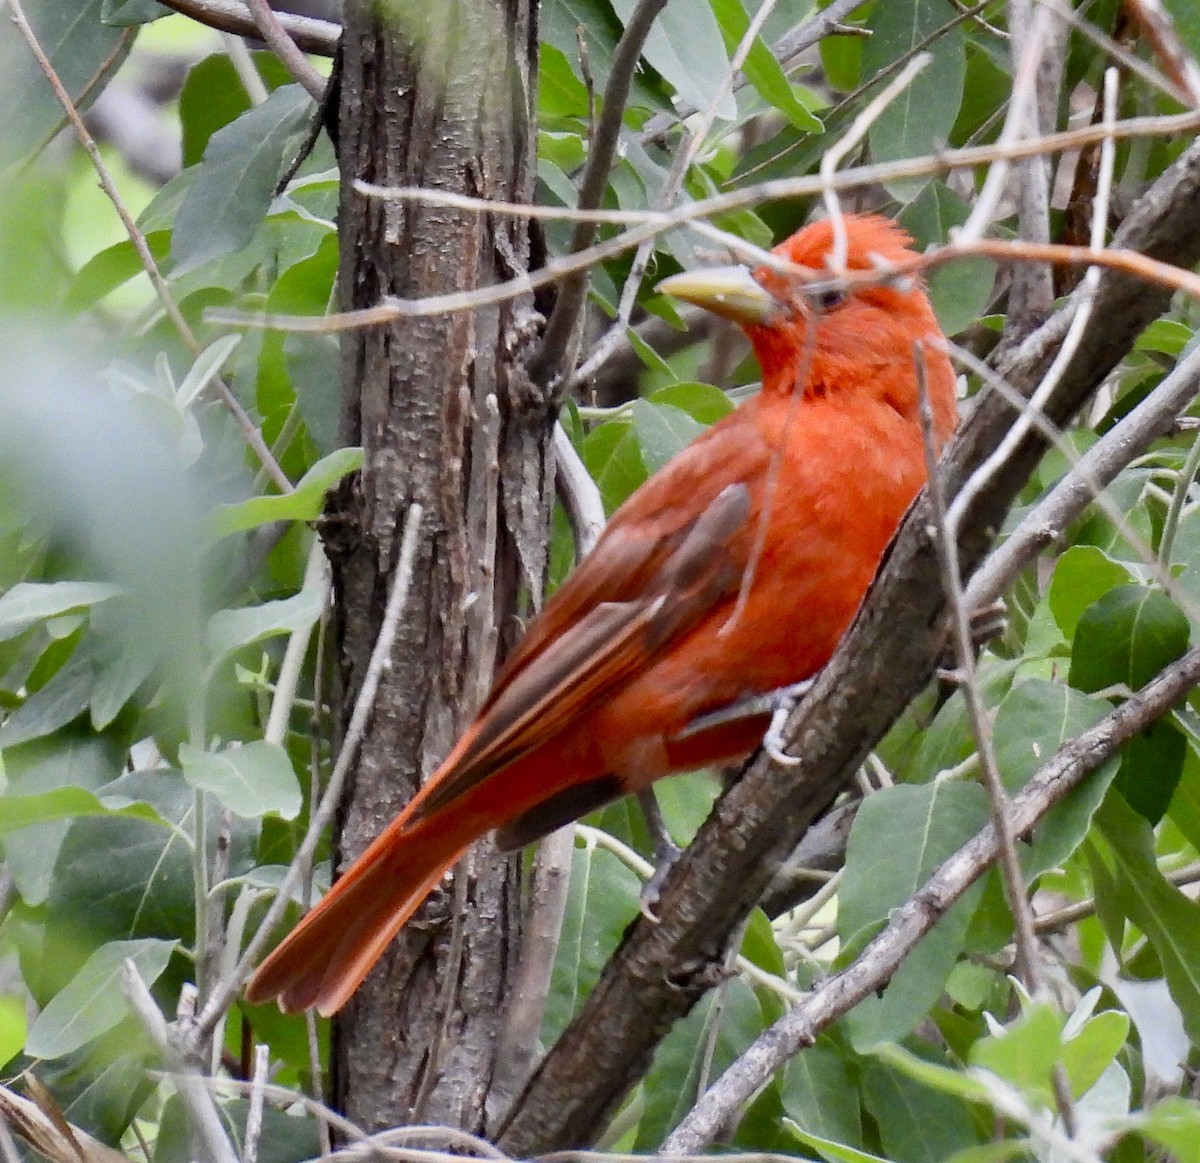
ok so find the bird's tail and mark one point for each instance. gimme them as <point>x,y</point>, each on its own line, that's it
<point>325,958</point>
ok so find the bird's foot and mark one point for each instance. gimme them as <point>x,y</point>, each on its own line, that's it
<point>666,851</point>
<point>988,623</point>
<point>782,703</point>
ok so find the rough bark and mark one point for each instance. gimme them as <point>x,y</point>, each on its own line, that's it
<point>662,968</point>
<point>440,95</point>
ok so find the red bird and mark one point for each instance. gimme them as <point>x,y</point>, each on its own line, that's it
<point>730,573</point>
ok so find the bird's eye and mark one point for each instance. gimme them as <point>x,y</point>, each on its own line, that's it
<point>828,300</point>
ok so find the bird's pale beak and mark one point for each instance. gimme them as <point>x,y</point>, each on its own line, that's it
<point>730,291</point>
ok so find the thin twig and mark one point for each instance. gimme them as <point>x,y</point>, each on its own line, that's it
<point>224,993</point>
<point>197,1102</point>
<point>874,967</point>
<point>1159,30</point>
<point>254,1115</point>
<point>285,48</point>
<point>1046,521</point>
<point>319,37</point>
<point>556,354</point>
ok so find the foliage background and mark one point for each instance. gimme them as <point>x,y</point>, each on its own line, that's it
<point>160,759</point>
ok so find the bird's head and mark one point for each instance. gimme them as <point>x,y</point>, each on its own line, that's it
<point>807,327</point>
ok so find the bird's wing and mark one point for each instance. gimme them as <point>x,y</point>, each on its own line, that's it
<point>608,644</point>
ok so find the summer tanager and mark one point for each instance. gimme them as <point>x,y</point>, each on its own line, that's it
<point>730,573</point>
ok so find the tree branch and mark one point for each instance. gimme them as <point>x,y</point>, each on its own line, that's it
<point>873,968</point>
<point>319,37</point>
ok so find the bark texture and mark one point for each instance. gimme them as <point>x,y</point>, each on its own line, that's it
<point>440,95</point>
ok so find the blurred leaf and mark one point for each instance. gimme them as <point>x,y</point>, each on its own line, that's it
<point>13,1027</point>
<point>206,367</point>
<point>919,120</point>
<point>30,602</point>
<point>111,268</point>
<point>1126,637</point>
<point>613,456</point>
<point>1087,1055</point>
<point>226,203</point>
<point>84,51</point>
<point>250,780</point>
<point>93,1001</point>
<point>829,1149</point>
<point>303,503</point>
<point>17,812</point>
<point>1174,1123</point>
<point>64,697</point>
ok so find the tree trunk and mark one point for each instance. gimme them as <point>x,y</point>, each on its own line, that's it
<point>439,95</point>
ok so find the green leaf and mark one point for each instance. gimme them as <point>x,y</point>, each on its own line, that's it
<point>1082,576</point>
<point>1034,720</point>
<point>1175,1124</point>
<point>900,836</point>
<point>761,68</point>
<point>1087,1055</point>
<point>1126,638</point>
<point>230,630</point>
<point>662,432</point>
<point>829,1149</point>
<point>120,13</point>
<point>705,403</point>
<point>602,897</point>
<point>685,47</point>
<point>250,780</point>
<point>93,1002</point>
<point>1151,767</point>
<point>919,120</point>
<point>64,803</point>
<point>226,203</point>
<point>111,268</point>
<point>1025,1053</point>
<point>1169,919</point>
<point>916,1124</point>
<point>30,602</point>
<point>304,503</point>
<point>959,291</point>
<point>818,1093</point>
<point>612,454</point>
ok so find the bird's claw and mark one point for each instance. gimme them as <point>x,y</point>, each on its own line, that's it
<point>783,702</point>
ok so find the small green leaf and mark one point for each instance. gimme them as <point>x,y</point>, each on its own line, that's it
<point>303,503</point>
<point>1175,1124</point>
<point>111,268</point>
<point>1126,637</point>
<point>1082,576</point>
<point>30,602</point>
<point>207,365</point>
<point>250,780</point>
<point>92,1002</point>
<point>1025,1054</point>
<point>705,403</point>
<point>1087,1055</point>
<point>230,630</point>
<point>662,431</point>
